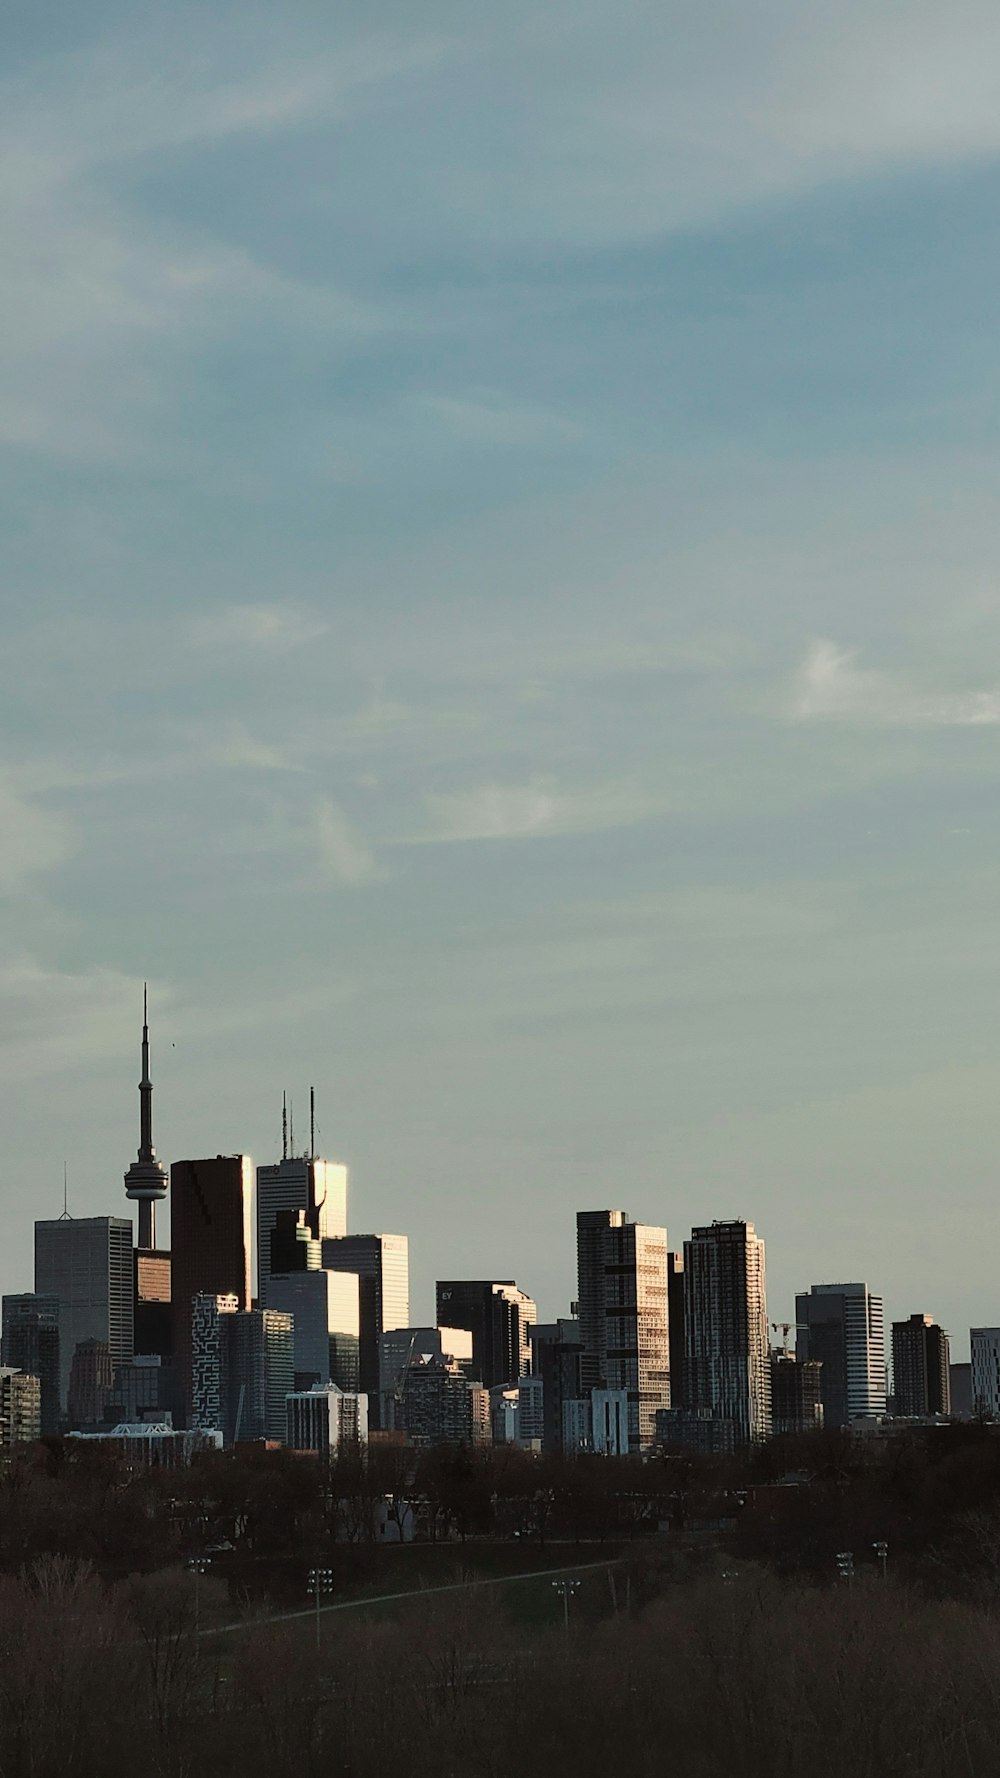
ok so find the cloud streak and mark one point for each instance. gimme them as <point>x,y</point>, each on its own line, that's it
<point>539,808</point>
<point>831,686</point>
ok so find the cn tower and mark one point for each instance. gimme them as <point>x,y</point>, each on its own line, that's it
<point>146,1180</point>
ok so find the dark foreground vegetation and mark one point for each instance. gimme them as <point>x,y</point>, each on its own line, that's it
<point>718,1641</point>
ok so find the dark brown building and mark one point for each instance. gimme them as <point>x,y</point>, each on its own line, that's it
<point>796,1394</point>
<point>920,1368</point>
<point>210,1220</point>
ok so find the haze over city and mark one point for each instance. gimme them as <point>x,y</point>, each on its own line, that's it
<point>500,621</point>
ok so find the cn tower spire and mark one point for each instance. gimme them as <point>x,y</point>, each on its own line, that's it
<point>146,1179</point>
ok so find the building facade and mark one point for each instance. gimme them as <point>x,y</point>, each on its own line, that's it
<point>675,1319</point>
<point>727,1359</point>
<point>29,1342</point>
<point>299,1183</point>
<point>260,1375</point>
<point>382,1263</point>
<point>498,1315</point>
<point>611,1418</point>
<point>153,1323</point>
<point>985,1356</point>
<point>91,1383</point>
<point>402,1347</point>
<point>211,1203</point>
<point>556,1349</point>
<point>20,1407</point>
<point>842,1325</point>
<point>325,1420</point>
<point>85,1262</point>
<point>440,1406</point>
<point>210,1360</point>
<point>921,1368</point>
<point>796,1394</point>
<point>326,1313</point>
<point>624,1316</point>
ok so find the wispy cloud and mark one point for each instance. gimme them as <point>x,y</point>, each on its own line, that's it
<point>275,628</point>
<point>537,808</point>
<point>240,749</point>
<point>491,417</point>
<point>56,1019</point>
<point>831,686</point>
<point>344,854</point>
<point>35,840</point>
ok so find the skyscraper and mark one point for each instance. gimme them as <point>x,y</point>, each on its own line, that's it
<point>211,1231</point>
<point>153,1328</point>
<point>440,1406</point>
<point>146,1179</point>
<point>382,1263</point>
<point>30,1342</point>
<point>209,1359</point>
<point>86,1263</point>
<point>985,1345</point>
<point>325,1307</point>
<point>91,1383</point>
<point>299,1182</point>
<point>624,1316</point>
<point>675,1316</point>
<point>260,1374</point>
<point>842,1325</point>
<point>555,1359</point>
<point>727,1360</point>
<point>921,1365</point>
<point>498,1316</point>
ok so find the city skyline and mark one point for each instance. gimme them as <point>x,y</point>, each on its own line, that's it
<point>498,622</point>
<point>292,1179</point>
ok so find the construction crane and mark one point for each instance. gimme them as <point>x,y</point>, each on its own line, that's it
<point>785,1328</point>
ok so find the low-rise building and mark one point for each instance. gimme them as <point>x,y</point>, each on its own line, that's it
<point>325,1419</point>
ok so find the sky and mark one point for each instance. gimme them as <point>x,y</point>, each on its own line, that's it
<point>499,620</point>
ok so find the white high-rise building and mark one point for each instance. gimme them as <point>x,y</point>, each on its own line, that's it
<point>624,1318</point>
<point>985,1343</point>
<point>382,1262</point>
<point>727,1363</point>
<point>843,1325</point>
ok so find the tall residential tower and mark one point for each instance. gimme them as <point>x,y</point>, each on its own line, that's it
<point>727,1361</point>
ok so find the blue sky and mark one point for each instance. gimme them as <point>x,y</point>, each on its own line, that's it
<point>500,619</point>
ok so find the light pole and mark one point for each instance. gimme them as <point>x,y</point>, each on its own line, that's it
<point>845,1565</point>
<point>881,1549</point>
<point>198,1565</point>
<point>320,1584</point>
<point>566,1589</point>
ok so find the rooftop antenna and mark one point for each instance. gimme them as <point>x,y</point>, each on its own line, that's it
<point>284,1126</point>
<point>65,1217</point>
<point>312,1123</point>
<point>291,1126</point>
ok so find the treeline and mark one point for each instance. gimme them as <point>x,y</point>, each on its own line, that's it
<point>748,1676</point>
<point>932,1495</point>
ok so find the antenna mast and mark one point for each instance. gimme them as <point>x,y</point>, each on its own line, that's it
<point>312,1123</point>
<point>284,1126</point>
